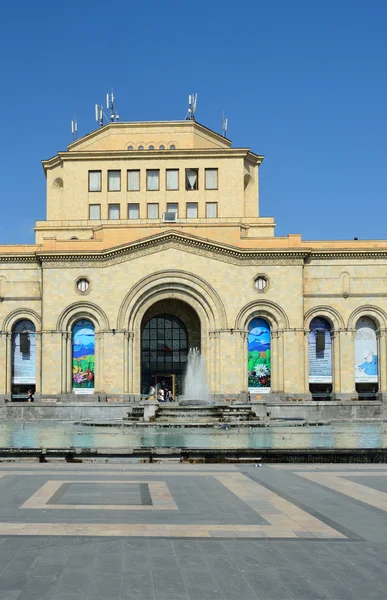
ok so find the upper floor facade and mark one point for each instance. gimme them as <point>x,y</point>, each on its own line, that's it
<point>129,175</point>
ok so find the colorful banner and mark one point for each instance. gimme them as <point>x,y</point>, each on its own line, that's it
<point>366,352</point>
<point>320,351</point>
<point>83,357</point>
<point>24,353</point>
<point>259,365</point>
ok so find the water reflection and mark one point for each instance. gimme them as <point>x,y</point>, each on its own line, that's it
<point>44,434</point>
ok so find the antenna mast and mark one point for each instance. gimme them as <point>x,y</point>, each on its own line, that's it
<point>114,117</point>
<point>192,99</point>
<point>74,128</point>
<point>224,125</point>
<point>100,115</point>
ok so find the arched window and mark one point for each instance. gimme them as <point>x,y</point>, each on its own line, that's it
<point>23,359</point>
<point>320,358</point>
<point>366,358</point>
<point>83,353</point>
<point>259,359</point>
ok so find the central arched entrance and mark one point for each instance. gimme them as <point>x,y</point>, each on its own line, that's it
<point>169,329</point>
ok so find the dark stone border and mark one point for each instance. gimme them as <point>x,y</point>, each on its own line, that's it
<point>351,535</point>
<point>145,496</point>
<point>206,455</point>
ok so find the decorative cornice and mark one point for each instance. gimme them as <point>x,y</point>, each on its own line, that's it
<point>187,242</point>
<point>171,239</point>
<point>121,154</point>
<point>20,258</point>
<point>347,255</point>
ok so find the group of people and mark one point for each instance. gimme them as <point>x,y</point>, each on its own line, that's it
<point>163,394</point>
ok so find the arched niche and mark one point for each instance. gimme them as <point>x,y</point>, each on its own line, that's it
<point>83,356</point>
<point>23,359</point>
<point>259,355</point>
<point>366,358</point>
<point>320,358</point>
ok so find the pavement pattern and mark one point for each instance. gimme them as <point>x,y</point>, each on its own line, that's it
<point>170,531</point>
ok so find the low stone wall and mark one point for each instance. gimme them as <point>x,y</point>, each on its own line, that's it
<point>328,411</point>
<point>64,412</point>
<point>310,411</point>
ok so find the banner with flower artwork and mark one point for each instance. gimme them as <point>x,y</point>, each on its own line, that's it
<point>259,363</point>
<point>83,357</point>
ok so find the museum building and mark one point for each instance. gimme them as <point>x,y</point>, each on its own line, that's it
<point>153,245</point>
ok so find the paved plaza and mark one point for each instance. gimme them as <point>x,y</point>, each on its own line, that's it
<point>192,532</point>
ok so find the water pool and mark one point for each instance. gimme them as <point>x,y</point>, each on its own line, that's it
<point>67,434</point>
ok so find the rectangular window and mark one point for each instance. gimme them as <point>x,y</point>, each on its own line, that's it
<point>133,211</point>
<point>133,181</point>
<point>191,179</point>
<point>211,210</point>
<point>152,180</point>
<point>114,211</point>
<point>153,211</point>
<point>172,179</point>
<point>173,207</point>
<point>114,181</point>
<point>192,210</point>
<point>211,179</point>
<point>94,211</point>
<point>94,181</point>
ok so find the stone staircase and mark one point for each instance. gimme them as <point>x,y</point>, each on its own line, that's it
<point>203,414</point>
<point>135,413</point>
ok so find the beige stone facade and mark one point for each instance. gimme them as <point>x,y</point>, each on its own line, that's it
<point>107,196</point>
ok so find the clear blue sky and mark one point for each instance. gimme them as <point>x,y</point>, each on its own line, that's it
<point>302,82</point>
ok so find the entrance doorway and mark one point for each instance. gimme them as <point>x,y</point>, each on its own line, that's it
<point>169,328</point>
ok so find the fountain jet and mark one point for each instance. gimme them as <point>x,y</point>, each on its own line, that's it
<point>196,390</point>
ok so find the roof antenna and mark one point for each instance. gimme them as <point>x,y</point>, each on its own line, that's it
<point>192,99</point>
<point>100,115</point>
<point>114,117</point>
<point>224,125</point>
<point>74,128</point>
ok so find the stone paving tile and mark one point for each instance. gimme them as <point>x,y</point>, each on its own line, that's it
<point>137,586</point>
<point>166,567</point>
<point>168,581</point>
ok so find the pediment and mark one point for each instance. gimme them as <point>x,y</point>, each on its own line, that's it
<point>118,136</point>
<point>171,239</point>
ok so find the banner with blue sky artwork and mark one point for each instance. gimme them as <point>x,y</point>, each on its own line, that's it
<point>259,359</point>
<point>366,351</point>
<point>83,357</point>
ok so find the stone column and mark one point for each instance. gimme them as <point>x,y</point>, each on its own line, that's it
<point>8,385</point>
<point>3,361</point>
<point>347,365</point>
<point>274,361</point>
<point>97,361</point>
<point>306,360</point>
<point>129,374</point>
<point>280,380</point>
<point>382,343</point>
<point>69,366</point>
<point>336,371</point>
<point>243,362</point>
<point>218,368</point>
<point>64,357</point>
<point>38,363</point>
